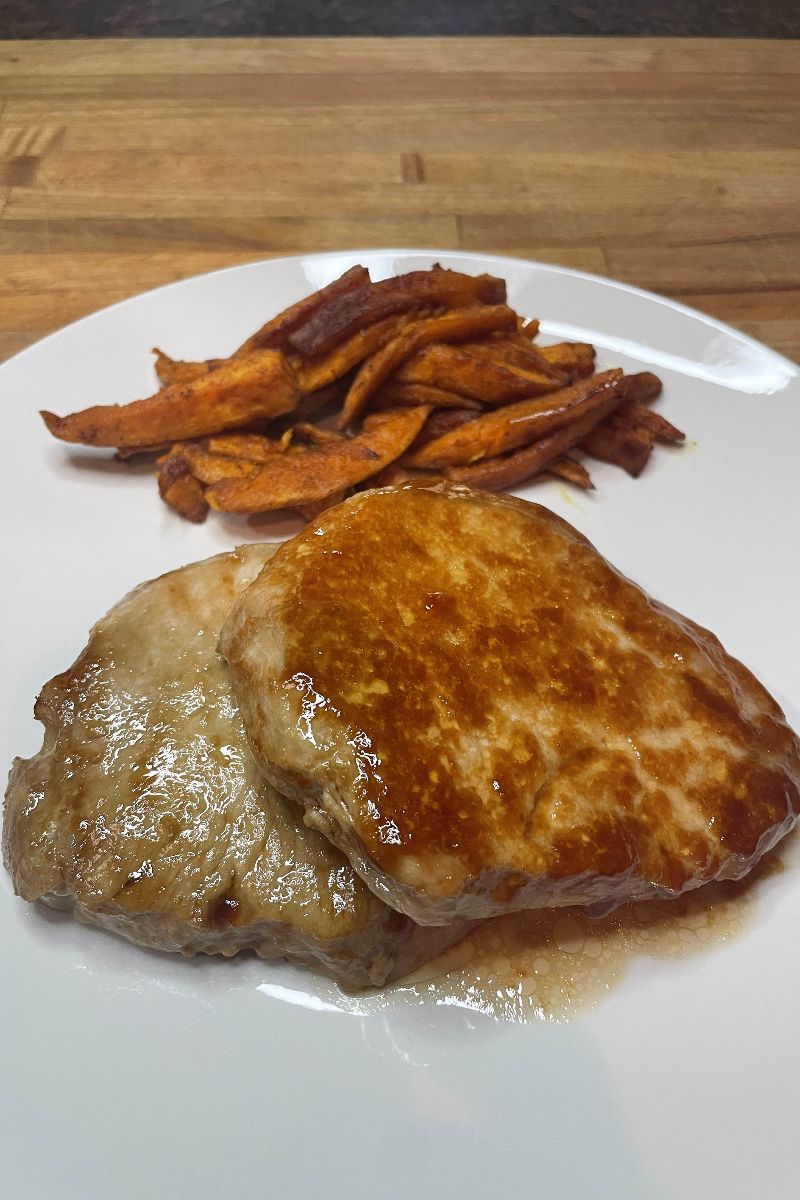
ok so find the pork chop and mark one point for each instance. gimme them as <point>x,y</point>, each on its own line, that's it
<point>144,812</point>
<point>489,717</point>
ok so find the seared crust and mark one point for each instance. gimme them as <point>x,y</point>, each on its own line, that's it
<point>489,717</point>
<point>145,813</point>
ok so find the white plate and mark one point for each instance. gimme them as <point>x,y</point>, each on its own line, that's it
<point>131,1074</point>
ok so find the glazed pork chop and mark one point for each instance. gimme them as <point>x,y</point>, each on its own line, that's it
<point>144,812</point>
<point>489,717</point>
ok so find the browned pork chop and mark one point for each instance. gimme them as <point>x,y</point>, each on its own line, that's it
<point>145,813</point>
<point>485,716</point>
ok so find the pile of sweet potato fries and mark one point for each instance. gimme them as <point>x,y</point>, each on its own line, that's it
<point>429,371</point>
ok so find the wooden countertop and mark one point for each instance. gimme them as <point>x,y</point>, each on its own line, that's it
<point>671,164</point>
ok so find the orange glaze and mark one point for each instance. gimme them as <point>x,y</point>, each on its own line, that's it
<point>510,697</point>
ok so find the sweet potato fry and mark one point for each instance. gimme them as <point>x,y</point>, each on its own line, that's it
<point>252,446</point>
<point>323,403</point>
<point>453,326</point>
<point>515,353</point>
<point>459,370</point>
<point>573,358</point>
<point>574,472</point>
<point>626,437</point>
<point>623,446</point>
<point>344,316</point>
<point>276,334</point>
<point>658,426</point>
<point>208,467</point>
<point>508,470</point>
<point>181,491</point>
<point>273,335</point>
<point>641,387</point>
<point>452,375</point>
<point>399,395</point>
<point>318,372</point>
<point>235,394</point>
<point>496,433</point>
<point>440,422</point>
<point>172,370</point>
<point>289,482</point>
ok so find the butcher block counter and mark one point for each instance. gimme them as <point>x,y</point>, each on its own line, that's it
<point>670,164</point>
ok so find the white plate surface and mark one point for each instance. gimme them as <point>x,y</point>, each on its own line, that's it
<point>131,1074</point>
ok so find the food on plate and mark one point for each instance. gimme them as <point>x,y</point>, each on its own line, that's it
<point>439,705</point>
<point>507,470</point>
<point>574,358</point>
<point>145,813</point>
<point>571,470</point>
<point>483,378</point>
<point>278,332</point>
<point>485,716</point>
<point>178,488</point>
<point>171,370</point>
<point>429,340</point>
<point>627,437</point>
<point>314,373</point>
<point>394,394</point>
<point>237,392</point>
<point>342,316</point>
<point>457,325</point>
<point>516,425</point>
<point>324,469</point>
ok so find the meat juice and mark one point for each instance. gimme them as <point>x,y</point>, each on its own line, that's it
<point>548,964</point>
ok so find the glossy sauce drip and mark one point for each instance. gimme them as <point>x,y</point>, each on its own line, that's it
<point>549,964</point>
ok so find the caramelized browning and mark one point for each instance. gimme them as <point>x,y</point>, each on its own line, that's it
<point>487,700</point>
<point>319,372</point>
<point>343,316</point>
<point>277,332</point>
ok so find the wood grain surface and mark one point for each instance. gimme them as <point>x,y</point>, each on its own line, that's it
<point>673,165</point>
